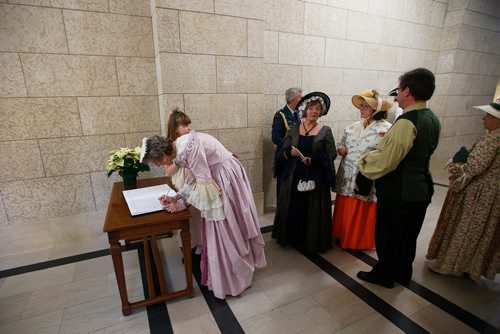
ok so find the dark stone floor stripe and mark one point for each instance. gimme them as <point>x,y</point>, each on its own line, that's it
<point>381,306</point>
<point>60,262</point>
<point>158,318</point>
<point>222,313</point>
<point>452,309</point>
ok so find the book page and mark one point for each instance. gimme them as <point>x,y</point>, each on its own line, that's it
<point>145,200</point>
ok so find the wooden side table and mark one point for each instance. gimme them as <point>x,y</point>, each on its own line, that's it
<point>120,225</point>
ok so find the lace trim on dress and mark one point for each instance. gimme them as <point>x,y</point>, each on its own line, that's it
<point>206,197</point>
<point>189,147</point>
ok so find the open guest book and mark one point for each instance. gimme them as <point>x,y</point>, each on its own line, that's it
<point>145,200</point>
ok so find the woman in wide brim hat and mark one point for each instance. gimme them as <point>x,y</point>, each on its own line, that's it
<point>467,234</point>
<point>354,215</point>
<point>303,218</point>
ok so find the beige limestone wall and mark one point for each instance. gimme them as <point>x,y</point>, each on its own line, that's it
<point>77,79</point>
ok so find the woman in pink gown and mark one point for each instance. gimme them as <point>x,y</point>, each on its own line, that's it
<point>233,246</point>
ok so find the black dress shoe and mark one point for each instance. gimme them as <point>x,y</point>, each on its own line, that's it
<point>373,278</point>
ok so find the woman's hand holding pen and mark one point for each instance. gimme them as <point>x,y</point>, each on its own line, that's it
<point>165,200</point>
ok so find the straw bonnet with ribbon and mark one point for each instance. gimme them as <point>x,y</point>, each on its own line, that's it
<point>322,98</point>
<point>374,100</point>
<point>493,108</point>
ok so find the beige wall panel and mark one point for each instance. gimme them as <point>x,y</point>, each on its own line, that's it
<point>135,139</point>
<point>31,29</point>
<point>167,103</point>
<point>30,200</point>
<point>463,126</point>
<point>90,5</point>
<point>130,7</point>
<point>489,7</point>
<point>245,143</point>
<point>450,37</point>
<point>206,6</point>
<point>213,34</point>
<point>217,111</point>
<point>359,30</point>
<point>27,165</point>
<point>39,118</point>
<point>284,15</point>
<point>73,155</point>
<point>324,79</point>
<point>342,109</point>
<point>281,77</point>
<point>453,18</point>
<point>259,202</point>
<point>136,76</point>
<point>272,103</point>
<point>11,76</point>
<point>101,188</point>
<point>61,75</point>
<point>417,11</point>
<point>108,34</point>
<point>484,21</point>
<point>489,64</point>
<point>255,110</point>
<point>480,40</point>
<point>301,49</point>
<point>325,21</point>
<point>446,61</point>
<point>343,53</point>
<point>443,82</point>
<point>244,8</point>
<point>459,105</point>
<point>359,5</point>
<point>379,57</point>
<point>167,27</point>
<point>386,81</point>
<point>271,47</point>
<point>255,172</point>
<point>356,81</point>
<point>3,218</point>
<point>438,14</point>
<point>385,8</point>
<point>185,73</point>
<point>108,115</point>
<point>255,32</point>
<point>424,37</point>
<point>239,75</point>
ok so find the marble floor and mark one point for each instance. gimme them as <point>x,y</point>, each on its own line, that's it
<point>71,288</point>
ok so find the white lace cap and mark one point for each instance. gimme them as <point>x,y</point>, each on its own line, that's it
<point>312,98</point>
<point>144,147</point>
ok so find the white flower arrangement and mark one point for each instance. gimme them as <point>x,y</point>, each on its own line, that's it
<point>125,161</point>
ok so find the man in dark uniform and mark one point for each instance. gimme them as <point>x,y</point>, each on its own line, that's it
<point>282,121</point>
<point>400,167</point>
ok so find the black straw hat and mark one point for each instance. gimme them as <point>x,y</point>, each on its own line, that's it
<point>315,96</point>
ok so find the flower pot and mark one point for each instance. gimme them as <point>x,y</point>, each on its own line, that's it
<point>129,180</point>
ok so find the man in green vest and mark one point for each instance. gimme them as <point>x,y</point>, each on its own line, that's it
<point>400,168</point>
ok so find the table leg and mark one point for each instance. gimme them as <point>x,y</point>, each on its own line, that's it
<point>116,255</point>
<point>186,247</point>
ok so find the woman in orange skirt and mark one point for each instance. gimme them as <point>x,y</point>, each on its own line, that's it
<point>354,215</point>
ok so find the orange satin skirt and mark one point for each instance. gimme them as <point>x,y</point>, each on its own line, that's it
<point>353,222</point>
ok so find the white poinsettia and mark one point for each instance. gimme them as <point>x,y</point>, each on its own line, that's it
<point>125,161</point>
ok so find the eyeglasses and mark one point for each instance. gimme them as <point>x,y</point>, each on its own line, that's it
<point>364,105</point>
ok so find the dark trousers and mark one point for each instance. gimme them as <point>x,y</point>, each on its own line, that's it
<point>397,226</point>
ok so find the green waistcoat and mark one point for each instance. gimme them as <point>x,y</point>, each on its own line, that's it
<point>412,181</point>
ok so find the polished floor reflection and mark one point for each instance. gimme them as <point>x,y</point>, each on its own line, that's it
<point>71,288</point>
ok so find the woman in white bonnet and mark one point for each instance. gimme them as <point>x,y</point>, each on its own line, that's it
<point>467,235</point>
